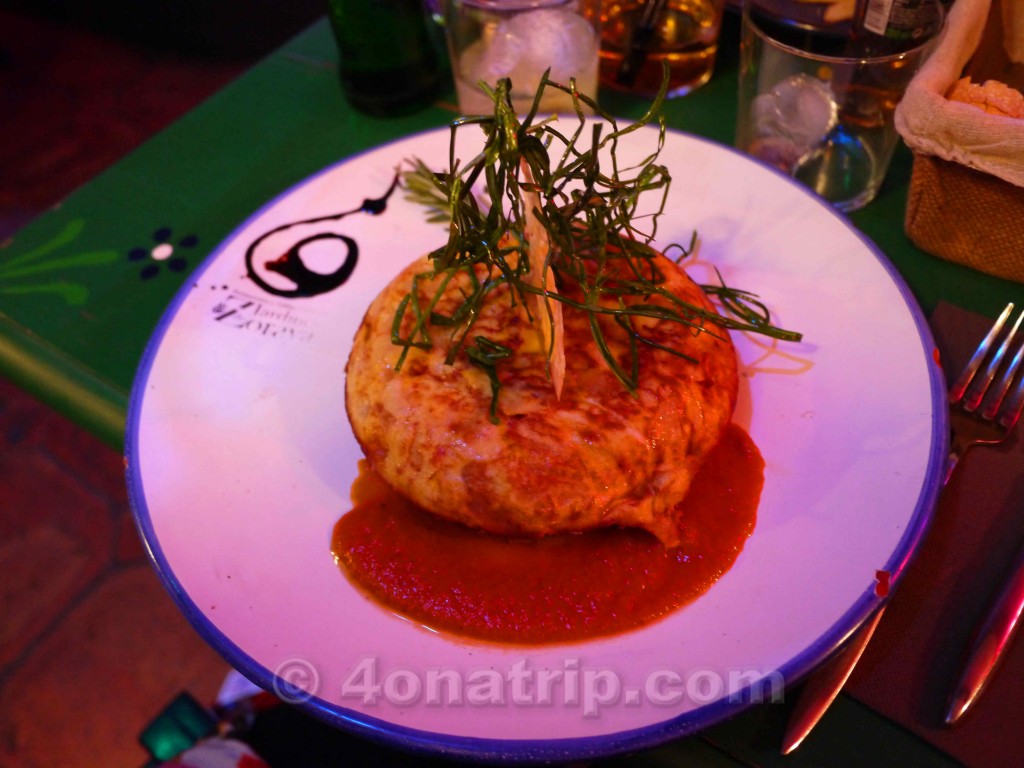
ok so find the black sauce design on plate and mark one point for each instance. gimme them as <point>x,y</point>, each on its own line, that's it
<point>289,262</point>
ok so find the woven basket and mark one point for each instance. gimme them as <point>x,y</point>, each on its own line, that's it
<point>967,216</point>
<point>966,199</point>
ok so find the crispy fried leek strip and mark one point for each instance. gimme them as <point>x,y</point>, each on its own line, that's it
<point>547,314</point>
<point>573,212</point>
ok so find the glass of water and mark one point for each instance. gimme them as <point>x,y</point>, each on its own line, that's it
<point>520,39</point>
<point>818,103</point>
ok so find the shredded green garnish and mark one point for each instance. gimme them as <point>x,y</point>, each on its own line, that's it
<point>485,354</point>
<point>589,208</point>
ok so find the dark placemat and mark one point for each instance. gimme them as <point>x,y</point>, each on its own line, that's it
<point>914,660</point>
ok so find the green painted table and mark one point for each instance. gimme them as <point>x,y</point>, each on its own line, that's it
<point>80,292</point>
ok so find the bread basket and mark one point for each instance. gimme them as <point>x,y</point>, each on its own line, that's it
<point>966,197</point>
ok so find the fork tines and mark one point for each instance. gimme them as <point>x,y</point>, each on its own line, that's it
<point>998,402</point>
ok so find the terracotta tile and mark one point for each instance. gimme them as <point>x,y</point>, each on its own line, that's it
<point>93,663</point>
<point>17,412</point>
<point>57,537</point>
<point>94,462</point>
<point>79,90</point>
<point>27,423</point>
<point>81,698</point>
<point>128,547</point>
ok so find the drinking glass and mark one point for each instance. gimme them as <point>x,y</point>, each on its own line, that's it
<point>639,36</point>
<point>818,102</point>
<point>520,39</point>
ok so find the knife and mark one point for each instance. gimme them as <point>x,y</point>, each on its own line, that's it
<point>989,643</point>
<point>824,685</point>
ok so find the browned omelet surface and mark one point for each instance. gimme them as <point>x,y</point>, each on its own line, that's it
<point>598,456</point>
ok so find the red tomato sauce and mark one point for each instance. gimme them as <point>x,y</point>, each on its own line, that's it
<point>561,588</point>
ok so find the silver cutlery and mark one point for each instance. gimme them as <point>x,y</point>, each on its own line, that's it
<point>989,644</point>
<point>985,404</point>
<point>824,685</point>
<point>988,414</point>
<point>983,412</point>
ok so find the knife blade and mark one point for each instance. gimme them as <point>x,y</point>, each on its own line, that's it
<point>824,685</point>
<point>991,639</point>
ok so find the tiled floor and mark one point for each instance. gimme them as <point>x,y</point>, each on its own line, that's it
<point>91,647</point>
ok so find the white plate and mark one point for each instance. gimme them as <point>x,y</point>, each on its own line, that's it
<point>241,460</point>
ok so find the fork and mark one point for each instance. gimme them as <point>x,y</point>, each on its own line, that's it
<point>982,410</point>
<point>983,413</point>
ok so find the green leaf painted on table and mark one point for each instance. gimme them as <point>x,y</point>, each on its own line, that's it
<point>79,260</point>
<point>72,293</point>
<point>32,264</point>
<point>67,235</point>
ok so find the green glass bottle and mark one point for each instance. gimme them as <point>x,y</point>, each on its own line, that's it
<point>388,57</point>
